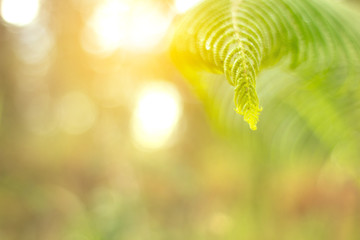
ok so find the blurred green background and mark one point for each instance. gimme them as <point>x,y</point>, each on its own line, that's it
<point>101,138</point>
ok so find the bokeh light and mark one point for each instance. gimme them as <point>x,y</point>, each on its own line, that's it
<point>35,44</point>
<point>106,27</point>
<point>148,27</point>
<point>76,113</point>
<point>156,116</point>
<point>123,24</point>
<point>184,5</point>
<point>19,12</point>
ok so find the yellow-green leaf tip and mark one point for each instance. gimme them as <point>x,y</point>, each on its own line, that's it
<point>251,115</point>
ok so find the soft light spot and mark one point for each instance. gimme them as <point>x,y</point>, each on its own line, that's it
<point>219,223</point>
<point>34,44</point>
<point>106,29</point>
<point>184,5</point>
<point>76,113</point>
<point>19,12</point>
<point>124,24</point>
<point>148,27</point>
<point>156,116</point>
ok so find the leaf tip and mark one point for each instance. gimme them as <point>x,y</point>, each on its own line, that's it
<point>251,115</point>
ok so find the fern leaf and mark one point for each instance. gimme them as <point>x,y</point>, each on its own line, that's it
<point>241,37</point>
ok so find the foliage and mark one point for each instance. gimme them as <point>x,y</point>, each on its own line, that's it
<point>316,40</point>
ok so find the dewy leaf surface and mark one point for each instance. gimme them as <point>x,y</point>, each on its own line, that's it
<point>239,38</point>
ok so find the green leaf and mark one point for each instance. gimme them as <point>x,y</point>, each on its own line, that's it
<point>317,40</point>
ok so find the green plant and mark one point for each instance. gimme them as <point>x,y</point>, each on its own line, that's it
<point>318,41</point>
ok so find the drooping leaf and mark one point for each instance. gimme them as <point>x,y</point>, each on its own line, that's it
<point>319,41</point>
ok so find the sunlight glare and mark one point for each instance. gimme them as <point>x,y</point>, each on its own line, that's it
<point>19,12</point>
<point>156,116</point>
<point>148,27</point>
<point>184,5</point>
<point>108,25</point>
<point>124,24</point>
